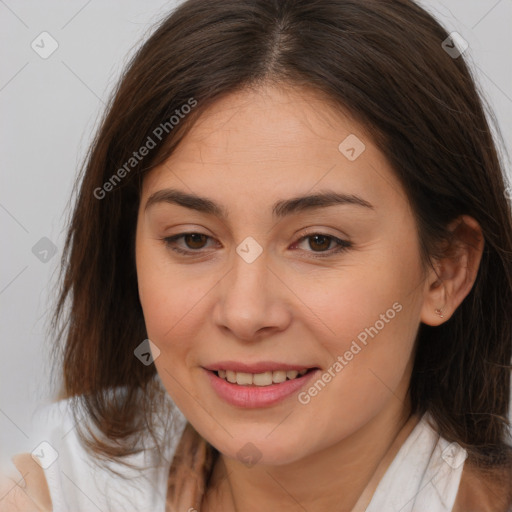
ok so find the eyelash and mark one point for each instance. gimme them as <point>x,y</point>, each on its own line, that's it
<point>343,245</point>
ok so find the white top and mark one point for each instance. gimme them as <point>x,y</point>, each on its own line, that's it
<point>424,475</point>
<point>78,484</point>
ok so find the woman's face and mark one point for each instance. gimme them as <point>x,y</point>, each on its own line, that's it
<point>274,282</point>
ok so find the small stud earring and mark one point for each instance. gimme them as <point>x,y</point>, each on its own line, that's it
<point>439,312</point>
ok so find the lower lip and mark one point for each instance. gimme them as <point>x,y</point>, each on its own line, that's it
<point>257,396</point>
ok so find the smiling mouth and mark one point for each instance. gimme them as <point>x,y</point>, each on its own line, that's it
<point>261,379</point>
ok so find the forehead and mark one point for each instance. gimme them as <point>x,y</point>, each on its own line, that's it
<point>280,140</point>
<point>274,121</point>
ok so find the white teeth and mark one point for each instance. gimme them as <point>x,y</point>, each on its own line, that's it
<point>243,379</point>
<point>260,379</point>
<point>278,376</point>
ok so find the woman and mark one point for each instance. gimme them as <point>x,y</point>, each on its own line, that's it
<point>293,223</point>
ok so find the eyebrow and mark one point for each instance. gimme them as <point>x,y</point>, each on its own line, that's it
<point>280,209</point>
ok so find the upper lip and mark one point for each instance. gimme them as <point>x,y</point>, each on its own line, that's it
<point>260,367</point>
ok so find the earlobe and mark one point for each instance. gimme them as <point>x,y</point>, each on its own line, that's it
<point>434,311</point>
<point>451,282</point>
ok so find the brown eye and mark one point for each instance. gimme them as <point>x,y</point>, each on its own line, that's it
<point>319,242</point>
<point>190,243</point>
<point>195,240</point>
<point>319,245</point>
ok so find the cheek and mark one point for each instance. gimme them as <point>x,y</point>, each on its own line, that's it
<point>369,319</point>
<point>168,295</point>
<point>350,302</point>
<point>168,301</point>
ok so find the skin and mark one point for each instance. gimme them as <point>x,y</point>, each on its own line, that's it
<point>247,151</point>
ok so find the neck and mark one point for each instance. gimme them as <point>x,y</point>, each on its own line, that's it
<point>342,477</point>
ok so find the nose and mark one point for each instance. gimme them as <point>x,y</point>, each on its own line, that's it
<point>252,301</point>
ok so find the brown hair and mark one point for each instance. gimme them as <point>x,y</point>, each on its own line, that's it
<point>383,61</point>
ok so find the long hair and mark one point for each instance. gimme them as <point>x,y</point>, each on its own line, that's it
<point>384,61</point>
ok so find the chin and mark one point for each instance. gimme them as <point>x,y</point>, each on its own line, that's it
<point>262,450</point>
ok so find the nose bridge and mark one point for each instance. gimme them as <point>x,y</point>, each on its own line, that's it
<point>249,266</point>
<point>247,282</point>
<point>246,302</point>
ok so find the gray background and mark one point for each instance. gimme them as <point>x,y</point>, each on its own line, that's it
<point>49,109</point>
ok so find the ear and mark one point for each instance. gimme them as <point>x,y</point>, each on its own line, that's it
<point>454,275</point>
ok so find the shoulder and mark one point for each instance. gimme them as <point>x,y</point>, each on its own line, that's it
<point>484,491</point>
<point>26,492</point>
<point>76,480</point>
